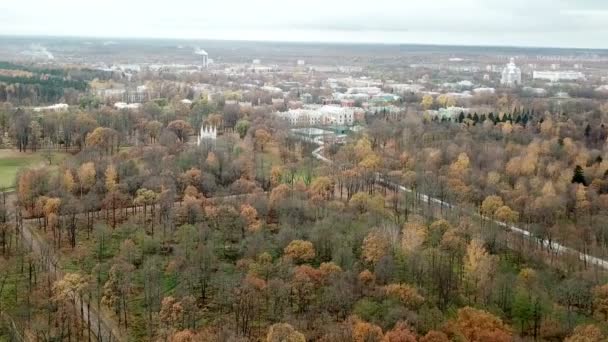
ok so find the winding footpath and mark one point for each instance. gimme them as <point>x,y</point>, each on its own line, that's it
<point>552,245</point>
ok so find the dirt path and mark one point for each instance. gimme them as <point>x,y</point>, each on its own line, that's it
<point>101,323</point>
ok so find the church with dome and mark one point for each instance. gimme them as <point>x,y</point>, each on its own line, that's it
<point>511,75</point>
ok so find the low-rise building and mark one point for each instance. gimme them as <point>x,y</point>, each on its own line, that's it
<point>556,76</point>
<point>406,88</point>
<point>59,107</point>
<point>123,105</point>
<point>484,91</point>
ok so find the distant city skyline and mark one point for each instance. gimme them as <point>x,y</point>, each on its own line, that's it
<point>525,23</point>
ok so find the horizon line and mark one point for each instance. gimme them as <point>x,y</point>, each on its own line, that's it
<point>363,43</point>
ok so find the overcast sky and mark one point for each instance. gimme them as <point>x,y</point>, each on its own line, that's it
<point>555,23</point>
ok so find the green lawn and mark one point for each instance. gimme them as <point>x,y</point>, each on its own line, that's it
<point>11,161</point>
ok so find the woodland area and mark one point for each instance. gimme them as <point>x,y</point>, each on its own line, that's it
<point>139,234</point>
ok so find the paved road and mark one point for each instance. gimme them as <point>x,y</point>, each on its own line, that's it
<point>555,246</point>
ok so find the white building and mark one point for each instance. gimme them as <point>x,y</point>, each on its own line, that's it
<point>111,93</point>
<point>364,90</point>
<point>556,76</point>
<point>123,105</point>
<point>540,92</point>
<point>484,90</point>
<point>206,134</point>
<point>511,75</point>
<point>319,115</point>
<point>406,88</point>
<point>59,107</point>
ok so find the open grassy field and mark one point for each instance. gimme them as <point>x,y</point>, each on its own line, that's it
<point>11,161</point>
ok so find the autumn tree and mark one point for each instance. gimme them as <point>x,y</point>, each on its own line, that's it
<point>86,176</point>
<point>600,301</point>
<point>480,326</point>
<point>400,333</point>
<point>405,293</point>
<point>479,268</point>
<point>366,332</point>
<point>283,332</point>
<point>586,333</point>
<point>375,246</point>
<point>105,139</point>
<point>300,251</point>
<point>427,102</point>
<point>68,181</point>
<point>181,129</point>
<point>250,216</point>
<point>117,289</point>
<point>262,138</point>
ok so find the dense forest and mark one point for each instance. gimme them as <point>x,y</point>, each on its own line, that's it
<point>411,226</point>
<point>250,238</point>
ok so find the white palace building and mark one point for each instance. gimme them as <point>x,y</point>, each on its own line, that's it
<point>313,115</point>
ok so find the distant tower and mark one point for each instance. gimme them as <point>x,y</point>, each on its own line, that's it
<point>206,134</point>
<point>511,74</point>
<point>205,58</point>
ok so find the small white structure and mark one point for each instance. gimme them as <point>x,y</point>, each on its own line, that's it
<point>511,74</point>
<point>59,107</point>
<point>124,105</point>
<point>206,133</point>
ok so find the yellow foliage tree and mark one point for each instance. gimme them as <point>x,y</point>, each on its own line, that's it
<point>479,268</point>
<point>300,250</point>
<point>406,294</point>
<point>68,181</point>
<point>375,246</point>
<point>86,176</point>
<point>427,102</point>
<point>283,332</point>
<point>413,236</point>
<point>586,333</point>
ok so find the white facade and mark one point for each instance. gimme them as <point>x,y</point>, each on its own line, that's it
<point>206,133</point>
<point>123,105</point>
<point>364,90</point>
<point>315,115</point>
<point>448,113</point>
<point>407,88</point>
<point>59,107</point>
<point>484,90</point>
<point>511,74</point>
<point>556,76</point>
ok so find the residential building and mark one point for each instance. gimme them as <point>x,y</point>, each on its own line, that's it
<point>556,76</point>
